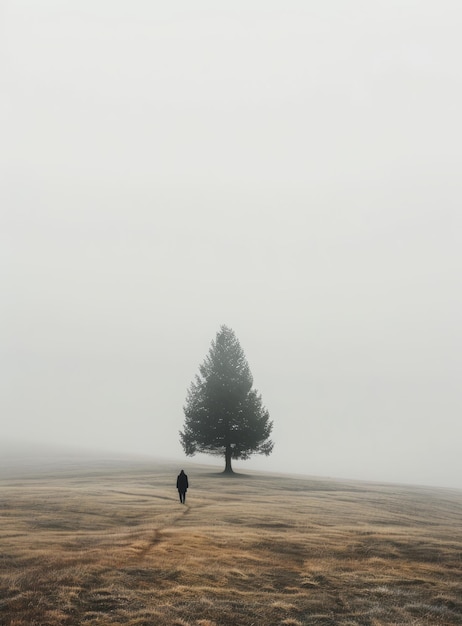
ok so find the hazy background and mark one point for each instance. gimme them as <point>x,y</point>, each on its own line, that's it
<point>290,169</point>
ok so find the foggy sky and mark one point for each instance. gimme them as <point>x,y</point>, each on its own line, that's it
<point>289,169</point>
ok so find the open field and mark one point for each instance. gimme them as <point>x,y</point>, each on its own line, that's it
<point>110,544</point>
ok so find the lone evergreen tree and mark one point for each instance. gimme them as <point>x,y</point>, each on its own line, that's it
<point>223,414</point>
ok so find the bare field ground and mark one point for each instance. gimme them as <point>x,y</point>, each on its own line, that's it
<point>110,544</point>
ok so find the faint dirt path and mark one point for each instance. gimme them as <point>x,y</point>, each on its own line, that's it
<point>156,537</point>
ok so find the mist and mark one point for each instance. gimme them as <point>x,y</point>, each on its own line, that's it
<point>291,170</point>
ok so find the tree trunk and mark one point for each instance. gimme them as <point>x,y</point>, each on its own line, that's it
<point>228,454</point>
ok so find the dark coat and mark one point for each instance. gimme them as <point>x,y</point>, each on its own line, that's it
<point>182,482</point>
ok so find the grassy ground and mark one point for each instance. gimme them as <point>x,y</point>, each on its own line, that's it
<point>112,545</point>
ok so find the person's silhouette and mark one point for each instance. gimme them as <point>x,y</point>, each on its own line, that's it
<point>182,486</point>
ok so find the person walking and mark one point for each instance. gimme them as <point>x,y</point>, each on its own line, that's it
<point>182,486</point>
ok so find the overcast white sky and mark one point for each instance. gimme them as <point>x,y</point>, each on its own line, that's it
<point>290,169</point>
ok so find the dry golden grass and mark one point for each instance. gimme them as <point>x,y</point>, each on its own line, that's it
<point>112,545</point>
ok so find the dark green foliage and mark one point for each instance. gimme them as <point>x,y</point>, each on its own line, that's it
<point>223,414</point>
